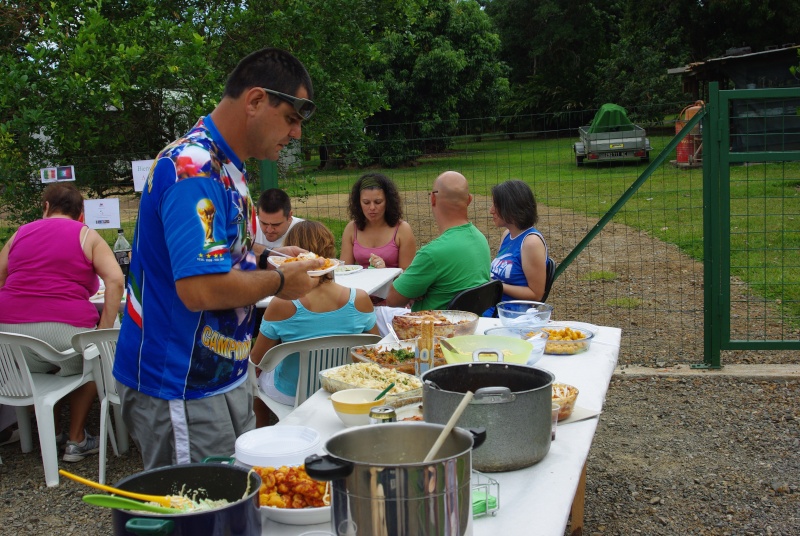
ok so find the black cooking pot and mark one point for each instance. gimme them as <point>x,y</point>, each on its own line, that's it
<point>212,481</point>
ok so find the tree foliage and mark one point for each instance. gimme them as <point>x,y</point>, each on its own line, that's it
<point>442,64</point>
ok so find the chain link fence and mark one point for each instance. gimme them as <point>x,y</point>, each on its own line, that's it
<point>643,272</point>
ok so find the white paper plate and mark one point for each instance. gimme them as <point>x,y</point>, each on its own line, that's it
<point>297,516</point>
<point>346,269</point>
<point>277,262</point>
<point>274,446</point>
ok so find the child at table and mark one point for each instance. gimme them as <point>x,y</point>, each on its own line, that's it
<point>328,309</point>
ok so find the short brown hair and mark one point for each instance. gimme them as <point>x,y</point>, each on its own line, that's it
<point>63,198</point>
<point>312,236</point>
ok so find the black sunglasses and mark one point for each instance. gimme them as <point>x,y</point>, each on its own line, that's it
<point>304,107</point>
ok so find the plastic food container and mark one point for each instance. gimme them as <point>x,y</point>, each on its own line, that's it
<point>566,339</point>
<point>389,355</point>
<point>524,313</point>
<point>565,396</point>
<point>536,336</point>
<point>445,323</point>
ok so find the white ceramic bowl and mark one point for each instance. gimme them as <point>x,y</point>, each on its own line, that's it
<point>353,405</point>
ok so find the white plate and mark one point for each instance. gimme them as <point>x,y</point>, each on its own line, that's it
<point>297,516</point>
<point>277,262</point>
<point>273,446</point>
<point>346,269</point>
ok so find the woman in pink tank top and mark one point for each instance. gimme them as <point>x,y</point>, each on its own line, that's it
<point>377,236</point>
<point>49,269</point>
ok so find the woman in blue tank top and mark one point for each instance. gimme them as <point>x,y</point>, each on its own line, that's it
<point>521,261</point>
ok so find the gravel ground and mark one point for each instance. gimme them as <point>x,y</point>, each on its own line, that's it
<point>704,454</point>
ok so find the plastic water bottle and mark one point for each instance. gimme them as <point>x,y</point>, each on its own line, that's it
<point>122,251</point>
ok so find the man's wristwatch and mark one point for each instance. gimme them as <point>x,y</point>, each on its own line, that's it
<point>262,259</point>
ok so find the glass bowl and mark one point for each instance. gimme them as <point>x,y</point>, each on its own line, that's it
<point>446,323</point>
<point>566,339</point>
<point>524,313</point>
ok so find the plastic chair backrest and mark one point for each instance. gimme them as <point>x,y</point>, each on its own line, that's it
<point>316,354</point>
<point>551,273</point>
<point>15,376</point>
<point>105,341</point>
<point>478,299</point>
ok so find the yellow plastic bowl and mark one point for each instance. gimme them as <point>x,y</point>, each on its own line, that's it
<point>353,405</point>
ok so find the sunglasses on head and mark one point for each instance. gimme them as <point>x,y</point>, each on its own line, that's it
<point>304,107</point>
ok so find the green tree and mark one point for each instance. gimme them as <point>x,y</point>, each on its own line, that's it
<point>97,84</point>
<point>552,47</point>
<point>442,64</point>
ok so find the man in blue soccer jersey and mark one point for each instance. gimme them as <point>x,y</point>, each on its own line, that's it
<point>182,354</point>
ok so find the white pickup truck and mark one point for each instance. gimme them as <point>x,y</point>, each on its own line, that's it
<point>610,137</point>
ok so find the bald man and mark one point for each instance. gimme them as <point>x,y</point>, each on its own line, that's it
<point>457,260</point>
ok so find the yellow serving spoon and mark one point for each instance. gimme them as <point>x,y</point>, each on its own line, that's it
<point>173,501</point>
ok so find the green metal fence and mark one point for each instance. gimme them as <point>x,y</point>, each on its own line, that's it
<point>752,185</point>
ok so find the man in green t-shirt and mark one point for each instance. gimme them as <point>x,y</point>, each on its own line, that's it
<point>457,260</point>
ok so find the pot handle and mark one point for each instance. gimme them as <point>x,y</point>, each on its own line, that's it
<point>219,459</point>
<point>327,467</point>
<point>481,351</point>
<point>493,395</point>
<point>478,436</point>
<point>145,526</point>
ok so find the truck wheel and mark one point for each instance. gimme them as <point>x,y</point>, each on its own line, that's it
<point>579,161</point>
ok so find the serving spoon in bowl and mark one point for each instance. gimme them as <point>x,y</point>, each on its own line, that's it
<point>164,500</point>
<point>121,503</point>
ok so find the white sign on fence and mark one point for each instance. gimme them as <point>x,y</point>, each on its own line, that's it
<point>101,213</point>
<point>140,169</point>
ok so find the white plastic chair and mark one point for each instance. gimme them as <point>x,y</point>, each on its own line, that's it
<point>316,354</point>
<point>98,348</point>
<point>21,388</point>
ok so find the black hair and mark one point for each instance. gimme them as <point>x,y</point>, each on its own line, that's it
<point>271,68</point>
<point>273,200</point>
<point>63,198</point>
<point>394,208</point>
<point>515,203</point>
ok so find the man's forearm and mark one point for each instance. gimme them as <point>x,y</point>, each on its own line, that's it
<point>395,299</point>
<point>227,291</point>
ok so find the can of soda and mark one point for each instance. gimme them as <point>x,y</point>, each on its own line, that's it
<point>382,414</point>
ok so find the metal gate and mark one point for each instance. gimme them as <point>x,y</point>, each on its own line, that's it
<point>751,180</point>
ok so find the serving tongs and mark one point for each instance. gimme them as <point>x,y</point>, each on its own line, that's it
<point>167,501</point>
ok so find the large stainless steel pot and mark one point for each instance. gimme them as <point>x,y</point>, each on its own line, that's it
<point>380,485</point>
<point>219,481</point>
<point>512,401</point>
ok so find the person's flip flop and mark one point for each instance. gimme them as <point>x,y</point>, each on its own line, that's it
<point>6,438</point>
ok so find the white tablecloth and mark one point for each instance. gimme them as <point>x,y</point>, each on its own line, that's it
<point>538,497</point>
<point>375,281</point>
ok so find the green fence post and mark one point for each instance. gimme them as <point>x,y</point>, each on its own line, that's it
<point>711,221</point>
<point>269,174</point>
